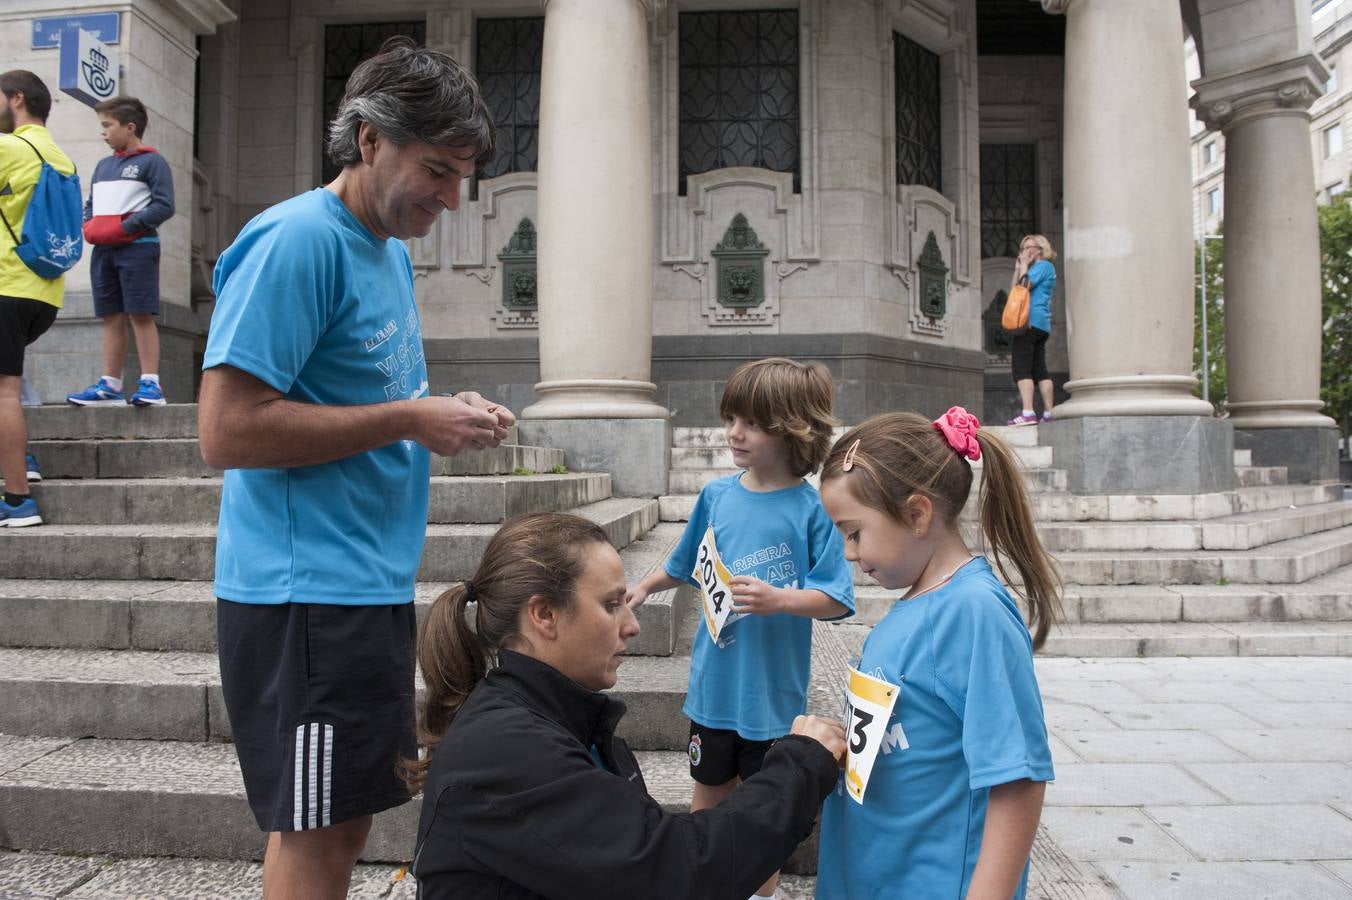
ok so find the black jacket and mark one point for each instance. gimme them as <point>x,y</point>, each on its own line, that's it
<point>515,805</point>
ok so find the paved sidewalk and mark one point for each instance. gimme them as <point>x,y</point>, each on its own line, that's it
<point>1176,778</point>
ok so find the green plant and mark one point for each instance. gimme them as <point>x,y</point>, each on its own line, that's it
<point>522,470</point>
<point>560,469</point>
<point>1335,246</point>
<point>1215,322</point>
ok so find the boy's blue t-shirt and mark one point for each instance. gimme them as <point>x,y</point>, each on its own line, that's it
<point>968,718</point>
<point>1041,284</point>
<point>754,681</point>
<point>313,304</point>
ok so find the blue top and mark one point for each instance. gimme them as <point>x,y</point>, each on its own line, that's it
<point>969,716</point>
<point>310,302</point>
<point>1041,284</point>
<point>754,680</point>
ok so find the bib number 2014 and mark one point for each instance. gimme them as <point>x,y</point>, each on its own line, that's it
<point>868,706</point>
<point>714,587</point>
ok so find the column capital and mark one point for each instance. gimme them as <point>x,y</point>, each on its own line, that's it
<point>1283,88</point>
<point>1055,7</point>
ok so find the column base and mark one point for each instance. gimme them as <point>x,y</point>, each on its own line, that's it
<point>1256,414</point>
<point>1309,454</point>
<point>1133,395</point>
<point>1142,454</point>
<point>595,398</point>
<point>636,452</point>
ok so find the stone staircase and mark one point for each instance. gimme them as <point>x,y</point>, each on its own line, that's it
<point>1263,569</point>
<point>113,734</point>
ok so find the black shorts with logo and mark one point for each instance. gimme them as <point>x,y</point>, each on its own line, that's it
<point>321,705</point>
<point>718,755</point>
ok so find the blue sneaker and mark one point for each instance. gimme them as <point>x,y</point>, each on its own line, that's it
<point>97,394</point>
<point>148,393</point>
<point>34,470</point>
<point>21,516</point>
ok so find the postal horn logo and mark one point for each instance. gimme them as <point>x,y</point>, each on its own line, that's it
<point>95,70</point>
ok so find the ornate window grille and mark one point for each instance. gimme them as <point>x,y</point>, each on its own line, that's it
<point>507,63</point>
<point>916,95</point>
<point>1008,197</point>
<point>345,47</point>
<point>739,91</point>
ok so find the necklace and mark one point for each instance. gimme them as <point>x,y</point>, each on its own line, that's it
<point>945,580</point>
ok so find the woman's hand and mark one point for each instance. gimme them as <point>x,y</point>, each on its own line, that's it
<point>830,734</point>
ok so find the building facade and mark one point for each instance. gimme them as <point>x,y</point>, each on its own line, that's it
<point>685,186</point>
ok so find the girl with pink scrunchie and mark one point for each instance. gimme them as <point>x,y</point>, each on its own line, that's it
<point>948,756</point>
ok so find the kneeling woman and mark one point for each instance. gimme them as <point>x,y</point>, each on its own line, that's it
<point>527,790</point>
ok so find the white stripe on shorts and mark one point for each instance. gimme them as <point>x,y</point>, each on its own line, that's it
<point>312,821</point>
<point>298,799</point>
<point>328,772</point>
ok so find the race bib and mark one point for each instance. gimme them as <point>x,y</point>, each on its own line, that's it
<point>713,578</point>
<point>868,706</point>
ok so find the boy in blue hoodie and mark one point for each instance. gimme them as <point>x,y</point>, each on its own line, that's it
<point>132,195</point>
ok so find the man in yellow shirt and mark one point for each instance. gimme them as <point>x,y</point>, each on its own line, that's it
<point>28,303</point>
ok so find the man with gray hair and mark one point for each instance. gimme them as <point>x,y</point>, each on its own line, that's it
<point>315,401</point>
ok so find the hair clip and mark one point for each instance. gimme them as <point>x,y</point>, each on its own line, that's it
<point>848,463</point>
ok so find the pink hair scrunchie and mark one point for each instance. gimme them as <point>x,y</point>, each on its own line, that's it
<point>958,427</point>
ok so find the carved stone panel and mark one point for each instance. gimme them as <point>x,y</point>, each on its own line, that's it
<point>740,263</point>
<point>933,280</point>
<point>520,298</point>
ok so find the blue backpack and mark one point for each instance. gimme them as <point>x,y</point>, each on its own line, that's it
<point>52,240</point>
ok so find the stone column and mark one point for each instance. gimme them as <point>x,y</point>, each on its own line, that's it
<point>596,241</point>
<point>1272,278</point>
<point>1132,423</point>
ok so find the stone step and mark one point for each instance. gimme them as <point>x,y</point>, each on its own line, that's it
<point>463,499</point>
<point>180,458</point>
<point>720,457</point>
<point>63,422</point>
<point>29,874</point>
<point>1243,457</point>
<point>1325,599</point>
<point>1243,531</point>
<point>187,552</point>
<point>186,799</point>
<point>181,615</point>
<point>1253,476</point>
<point>1201,639</point>
<point>176,696</point>
<point>1286,562</point>
<point>1062,507</point>
<point>713,436</point>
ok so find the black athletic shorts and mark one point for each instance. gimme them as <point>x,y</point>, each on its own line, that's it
<point>1028,355</point>
<point>320,699</point>
<point>22,321</point>
<point>717,755</point>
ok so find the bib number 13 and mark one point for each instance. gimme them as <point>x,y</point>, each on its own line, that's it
<point>869,703</point>
<point>714,587</point>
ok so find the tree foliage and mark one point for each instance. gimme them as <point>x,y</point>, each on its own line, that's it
<point>1335,244</point>
<point>1215,322</point>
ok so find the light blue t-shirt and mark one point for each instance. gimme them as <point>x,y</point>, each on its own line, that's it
<point>970,710</point>
<point>754,681</point>
<point>1041,284</point>
<point>310,302</point>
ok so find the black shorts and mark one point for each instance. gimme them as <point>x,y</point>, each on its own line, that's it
<point>717,756</point>
<point>1028,355</point>
<point>22,321</point>
<point>126,279</point>
<point>320,699</point>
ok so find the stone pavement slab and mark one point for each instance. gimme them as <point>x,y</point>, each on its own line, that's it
<point>1182,716</point>
<point>1283,744</point>
<point>1127,784</point>
<point>1278,782</point>
<point>1100,833</point>
<point>38,876</point>
<point>1224,881</point>
<point>1284,832</point>
<point>1123,746</point>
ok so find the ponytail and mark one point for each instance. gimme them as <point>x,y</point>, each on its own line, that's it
<point>534,555</point>
<point>1007,525</point>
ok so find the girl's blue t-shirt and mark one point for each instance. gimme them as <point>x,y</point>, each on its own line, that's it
<point>968,718</point>
<point>754,680</point>
<point>313,304</point>
<point>1041,285</point>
